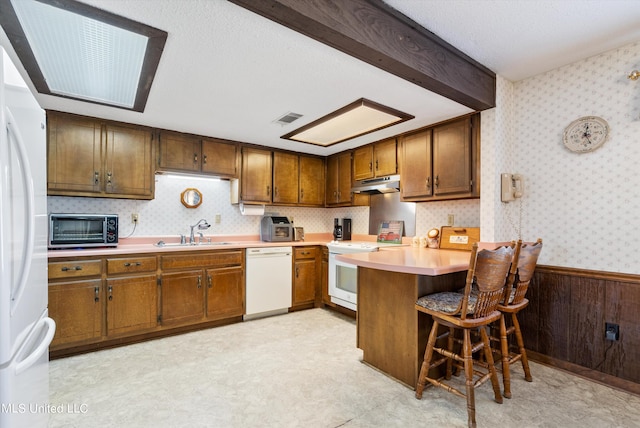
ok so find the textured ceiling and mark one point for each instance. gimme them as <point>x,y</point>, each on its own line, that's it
<point>229,73</point>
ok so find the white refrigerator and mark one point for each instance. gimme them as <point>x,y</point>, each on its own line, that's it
<point>25,327</point>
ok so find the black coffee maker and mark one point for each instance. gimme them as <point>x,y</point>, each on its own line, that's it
<point>337,230</point>
<point>346,229</point>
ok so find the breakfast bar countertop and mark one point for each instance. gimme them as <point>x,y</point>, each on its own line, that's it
<point>413,260</point>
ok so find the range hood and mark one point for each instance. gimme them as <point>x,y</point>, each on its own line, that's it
<point>387,184</point>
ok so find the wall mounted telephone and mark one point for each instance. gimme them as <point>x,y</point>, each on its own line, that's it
<point>512,187</point>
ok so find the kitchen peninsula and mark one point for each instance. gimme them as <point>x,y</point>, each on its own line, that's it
<point>390,331</point>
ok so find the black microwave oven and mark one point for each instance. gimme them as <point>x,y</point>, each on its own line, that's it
<point>83,230</point>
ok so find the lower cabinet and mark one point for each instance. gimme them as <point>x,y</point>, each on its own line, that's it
<point>305,275</point>
<point>324,277</point>
<point>206,286</point>
<point>99,302</point>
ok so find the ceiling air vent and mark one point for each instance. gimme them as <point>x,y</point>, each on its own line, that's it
<point>287,118</point>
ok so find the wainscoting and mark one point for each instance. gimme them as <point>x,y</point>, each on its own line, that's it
<point>564,324</point>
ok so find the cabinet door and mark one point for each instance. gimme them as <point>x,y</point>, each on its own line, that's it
<point>220,158</point>
<point>285,178</point>
<point>182,297</point>
<point>129,162</point>
<point>132,304</point>
<point>324,276</point>
<point>256,175</point>
<point>363,163</point>
<point>332,180</point>
<point>305,278</point>
<point>74,155</point>
<point>452,158</point>
<point>415,177</point>
<point>385,158</point>
<point>179,152</point>
<point>225,292</point>
<point>344,178</point>
<point>312,183</point>
<point>76,307</point>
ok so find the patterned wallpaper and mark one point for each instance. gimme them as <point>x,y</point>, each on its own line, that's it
<point>584,206</point>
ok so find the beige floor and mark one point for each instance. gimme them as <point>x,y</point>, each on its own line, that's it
<point>299,370</point>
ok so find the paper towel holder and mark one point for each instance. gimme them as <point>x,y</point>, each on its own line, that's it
<point>251,209</point>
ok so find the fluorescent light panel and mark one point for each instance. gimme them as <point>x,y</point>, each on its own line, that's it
<point>84,53</point>
<point>358,118</point>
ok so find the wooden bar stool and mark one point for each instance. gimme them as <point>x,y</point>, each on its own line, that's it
<point>466,312</point>
<point>514,301</point>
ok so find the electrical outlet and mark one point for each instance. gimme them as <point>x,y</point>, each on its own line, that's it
<point>611,331</point>
<point>449,219</point>
<point>134,218</point>
<point>218,218</point>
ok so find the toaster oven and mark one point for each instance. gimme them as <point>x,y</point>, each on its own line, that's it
<point>83,230</point>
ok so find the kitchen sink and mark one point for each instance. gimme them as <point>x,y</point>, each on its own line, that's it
<point>198,244</point>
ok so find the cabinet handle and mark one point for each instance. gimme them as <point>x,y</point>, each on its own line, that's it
<point>301,193</point>
<point>199,281</point>
<point>428,183</point>
<point>195,158</point>
<point>97,297</point>
<point>370,166</point>
<point>376,164</point>
<point>209,280</point>
<point>436,181</point>
<point>297,271</point>
<point>204,159</point>
<point>275,191</point>
<point>127,264</point>
<point>110,293</point>
<point>268,190</point>
<point>65,268</point>
<point>109,175</point>
<point>96,178</point>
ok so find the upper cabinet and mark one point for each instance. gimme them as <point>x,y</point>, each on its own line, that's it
<point>256,181</point>
<point>339,179</point>
<point>192,154</point>
<point>286,186</point>
<point>375,160</point>
<point>442,162</point>
<point>91,157</point>
<point>312,183</point>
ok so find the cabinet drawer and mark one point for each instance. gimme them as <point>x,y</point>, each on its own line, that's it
<point>131,264</point>
<point>306,253</point>
<point>75,269</point>
<point>198,260</point>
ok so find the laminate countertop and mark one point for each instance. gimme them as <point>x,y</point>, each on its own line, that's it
<point>413,260</point>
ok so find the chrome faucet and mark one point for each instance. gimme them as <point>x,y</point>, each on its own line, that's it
<point>202,224</point>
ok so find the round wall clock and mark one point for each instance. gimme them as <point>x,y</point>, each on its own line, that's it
<point>586,134</point>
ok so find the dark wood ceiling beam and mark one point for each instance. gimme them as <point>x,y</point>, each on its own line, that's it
<point>379,35</point>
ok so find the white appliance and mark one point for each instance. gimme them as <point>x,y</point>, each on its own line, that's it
<point>268,281</point>
<point>25,328</point>
<point>343,277</point>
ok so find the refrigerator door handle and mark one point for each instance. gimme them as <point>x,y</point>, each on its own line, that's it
<point>42,347</point>
<point>29,215</point>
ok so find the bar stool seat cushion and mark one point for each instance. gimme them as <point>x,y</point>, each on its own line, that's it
<point>448,302</point>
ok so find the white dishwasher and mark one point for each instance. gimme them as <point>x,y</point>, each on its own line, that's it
<point>268,281</point>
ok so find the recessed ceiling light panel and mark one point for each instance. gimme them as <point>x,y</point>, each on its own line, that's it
<point>73,50</point>
<point>358,118</point>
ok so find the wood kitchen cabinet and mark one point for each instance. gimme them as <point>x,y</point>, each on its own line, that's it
<point>76,301</point>
<point>441,162</point>
<point>131,294</point>
<point>192,154</point>
<point>256,180</point>
<point>324,277</point>
<point>91,157</point>
<point>312,183</point>
<point>305,275</point>
<point>91,303</point>
<point>298,179</point>
<point>200,287</point>
<point>338,182</point>
<point>375,160</point>
<point>286,173</point>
